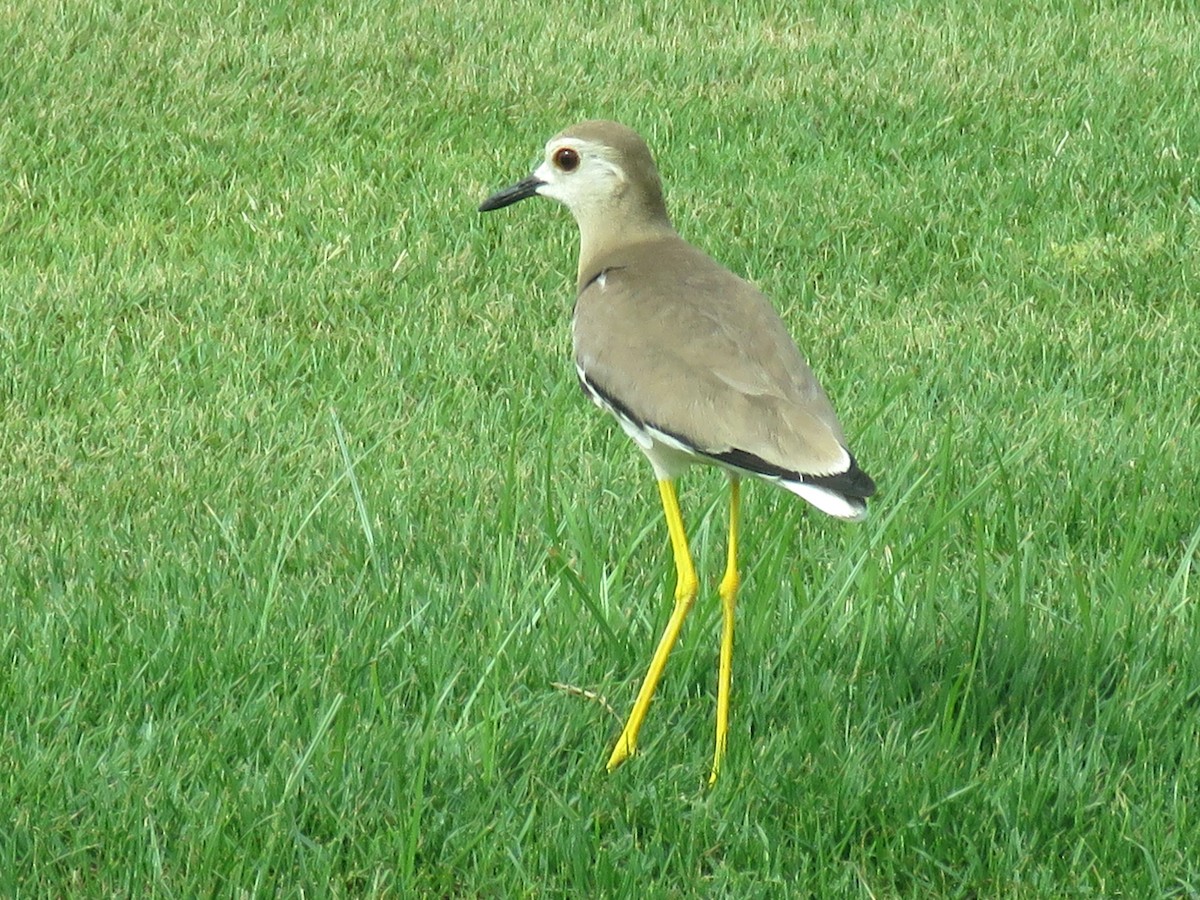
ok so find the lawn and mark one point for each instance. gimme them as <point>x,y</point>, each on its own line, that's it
<point>318,573</point>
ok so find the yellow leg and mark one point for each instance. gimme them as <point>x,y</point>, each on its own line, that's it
<point>728,591</point>
<point>686,586</point>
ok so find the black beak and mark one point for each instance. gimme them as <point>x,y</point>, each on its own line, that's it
<point>510,195</point>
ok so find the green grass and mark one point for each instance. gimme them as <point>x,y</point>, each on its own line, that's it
<point>303,514</point>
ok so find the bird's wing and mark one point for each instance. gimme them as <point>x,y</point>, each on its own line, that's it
<point>688,347</point>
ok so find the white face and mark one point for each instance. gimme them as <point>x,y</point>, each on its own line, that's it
<point>579,174</point>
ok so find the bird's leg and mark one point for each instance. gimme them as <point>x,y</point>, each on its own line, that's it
<point>686,586</point>
<point>728,591</point>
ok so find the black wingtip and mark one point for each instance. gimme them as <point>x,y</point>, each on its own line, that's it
<point>853,484</point>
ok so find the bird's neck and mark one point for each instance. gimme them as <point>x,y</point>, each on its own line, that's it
<point>608,230</point>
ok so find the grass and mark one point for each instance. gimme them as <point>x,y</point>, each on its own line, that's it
<point>303,514</point>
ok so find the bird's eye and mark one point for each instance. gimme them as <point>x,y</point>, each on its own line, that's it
<point>566,159</point>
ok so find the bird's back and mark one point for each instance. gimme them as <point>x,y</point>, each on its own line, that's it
<point>697,352</point>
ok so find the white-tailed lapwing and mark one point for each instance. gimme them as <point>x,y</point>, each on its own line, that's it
<point>692,361</point>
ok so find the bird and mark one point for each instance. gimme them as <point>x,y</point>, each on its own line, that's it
<point>693,362</point>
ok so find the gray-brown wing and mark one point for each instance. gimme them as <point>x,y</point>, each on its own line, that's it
<point>690,348</point>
